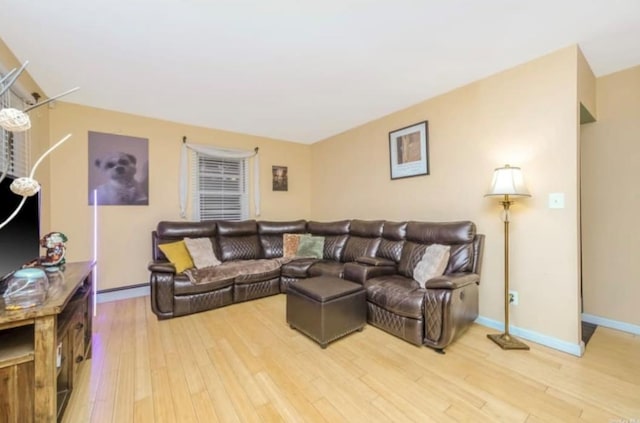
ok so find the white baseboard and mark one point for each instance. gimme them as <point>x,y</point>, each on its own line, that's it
<point>123,294</point>
<point>538,338</point>
<point>613,324</point>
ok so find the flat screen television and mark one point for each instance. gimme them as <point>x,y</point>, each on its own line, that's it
<point>20,239</point>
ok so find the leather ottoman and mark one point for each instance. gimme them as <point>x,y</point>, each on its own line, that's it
<point>326,308</point>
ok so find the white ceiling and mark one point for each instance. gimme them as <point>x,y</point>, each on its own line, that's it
<point>293,69</point>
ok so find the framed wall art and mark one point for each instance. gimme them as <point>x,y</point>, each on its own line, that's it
<point>280,178</point>
<point>118,170</point>
<point>409,151</point>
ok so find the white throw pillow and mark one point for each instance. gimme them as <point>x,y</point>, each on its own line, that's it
<point>433,263</point>
<point>201,252</point>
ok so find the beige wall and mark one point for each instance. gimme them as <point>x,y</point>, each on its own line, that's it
<point>125,231</point>
<point>611,200</point>
<point>586,85</point>
<point>525,116</point>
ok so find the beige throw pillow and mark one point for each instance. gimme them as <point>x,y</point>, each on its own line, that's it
<point>433,263</point>
<point>201,252</point>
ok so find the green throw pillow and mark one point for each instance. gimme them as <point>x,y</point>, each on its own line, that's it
<point>311,246</point>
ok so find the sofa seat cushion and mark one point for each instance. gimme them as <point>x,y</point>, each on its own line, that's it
<point>184,286</point>
<point>259,270</point>
<point>397,294</point>
<point>297,268</point>
<point>239,271</point>
<point>326,268</point>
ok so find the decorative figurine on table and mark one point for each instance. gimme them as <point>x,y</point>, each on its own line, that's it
<point>54,243</point>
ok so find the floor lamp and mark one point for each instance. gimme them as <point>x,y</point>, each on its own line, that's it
<point>508,182</point>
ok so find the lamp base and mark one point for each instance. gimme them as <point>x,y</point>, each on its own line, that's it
<point>508,342</point>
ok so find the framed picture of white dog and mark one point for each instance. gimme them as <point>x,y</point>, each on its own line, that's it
<point>118,170</point>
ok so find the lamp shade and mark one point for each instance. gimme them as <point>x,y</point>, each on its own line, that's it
<point>508,180</point>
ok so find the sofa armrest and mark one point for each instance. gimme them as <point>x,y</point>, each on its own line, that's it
<point>161,283</point>
<point>452,281</point>
<point>451,307</point>
<point>375,261</point>
<point>161,266</point>
<point>359,272</point>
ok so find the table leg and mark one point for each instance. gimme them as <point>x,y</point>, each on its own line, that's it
<point>45,369</point>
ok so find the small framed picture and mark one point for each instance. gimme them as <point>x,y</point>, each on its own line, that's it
<point>409,151</point>
<point>280,178</point>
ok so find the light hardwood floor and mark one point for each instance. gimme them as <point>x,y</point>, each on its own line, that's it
<point>242,363</point>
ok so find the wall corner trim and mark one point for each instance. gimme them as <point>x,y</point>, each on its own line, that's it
<point>538,338</point>
<point>609,323</point>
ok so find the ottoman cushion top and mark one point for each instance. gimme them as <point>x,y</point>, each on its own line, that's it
<point>325,288</point>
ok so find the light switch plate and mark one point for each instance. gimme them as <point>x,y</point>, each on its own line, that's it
<point>556,200</point>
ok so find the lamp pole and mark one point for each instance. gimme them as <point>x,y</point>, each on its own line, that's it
<point>505,204</point>
<point>505,340</point>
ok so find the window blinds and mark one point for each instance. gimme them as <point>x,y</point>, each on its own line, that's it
<point>14,147</point>
<point>220,188</point>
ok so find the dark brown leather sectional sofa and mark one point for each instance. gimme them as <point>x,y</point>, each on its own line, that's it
<point>380,255</point>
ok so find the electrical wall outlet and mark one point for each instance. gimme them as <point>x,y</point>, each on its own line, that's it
<point>513,297</point>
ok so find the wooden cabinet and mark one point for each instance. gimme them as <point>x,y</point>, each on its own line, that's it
<point>16,374</point>
<point>74,342</point>
<point>41,348</point>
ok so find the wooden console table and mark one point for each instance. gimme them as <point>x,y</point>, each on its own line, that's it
<point>41,347</point>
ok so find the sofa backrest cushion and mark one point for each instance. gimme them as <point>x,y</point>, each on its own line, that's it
<point>366,228</point>
<point>461,259</point>
<point>412,253</point>
<point>364,239</point>
<point>271,235</point>
<point>393,235</point>
<point>478,252</point>
<point>459,235</point>
<point>335,237</point>
<point>441,232</point>
<point>238,241</point>
<point>357,246</point>
<point>176,231</point>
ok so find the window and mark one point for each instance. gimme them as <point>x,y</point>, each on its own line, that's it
<point>220,188</point>
<point>14,146</point>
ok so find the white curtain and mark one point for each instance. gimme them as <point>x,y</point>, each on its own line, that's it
<point>221,153</point>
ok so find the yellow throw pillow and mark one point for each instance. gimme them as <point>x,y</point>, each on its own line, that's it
<point>177,254</point>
